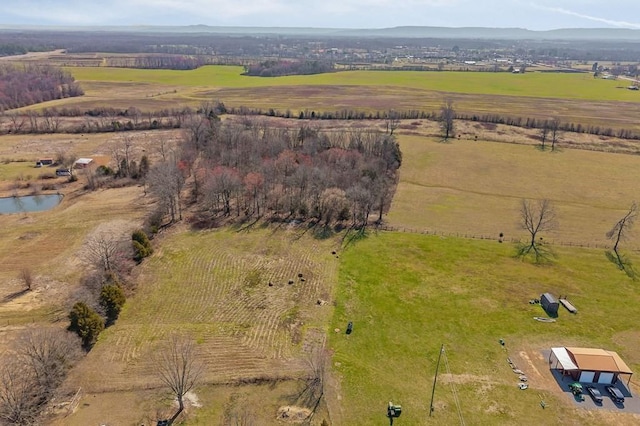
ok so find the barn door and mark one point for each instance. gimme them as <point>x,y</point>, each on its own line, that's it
<point>606,378</point>
<point>587,376</point>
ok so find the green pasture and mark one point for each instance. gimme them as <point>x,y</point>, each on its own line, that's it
<point>475,189</point>
<point>534,84</point>
<point>11,171</point>
<point>408,294</point>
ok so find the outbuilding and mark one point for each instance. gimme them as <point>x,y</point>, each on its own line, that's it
<point>82,163</point>
<point>549,303</point>
<point>589,365</point>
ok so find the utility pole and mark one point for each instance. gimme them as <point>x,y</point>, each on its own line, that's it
<point>435,379</point>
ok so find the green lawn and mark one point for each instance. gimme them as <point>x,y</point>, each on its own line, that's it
<point>550,85</point>
<point>408,294</point>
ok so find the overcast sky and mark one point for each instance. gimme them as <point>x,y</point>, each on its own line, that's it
<point>535,15</point>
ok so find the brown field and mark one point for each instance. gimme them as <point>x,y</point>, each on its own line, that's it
<point>472,188</point>
<point>155,97</point>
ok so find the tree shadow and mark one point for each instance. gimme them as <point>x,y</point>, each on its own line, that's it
<point>541,253</point>
<point>353,235</point>
<point>623,263</point>
<point>14,295</point>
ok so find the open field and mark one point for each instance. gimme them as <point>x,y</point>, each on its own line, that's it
<point>18,153</point>
<point>475,188</point>
<point>543,85</point>
<point>577,98</point>
<point>408,294</point>
<point>49,244</point>
<point>213,287</point>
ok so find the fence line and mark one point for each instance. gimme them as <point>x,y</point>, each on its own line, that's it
<point>484,237</point>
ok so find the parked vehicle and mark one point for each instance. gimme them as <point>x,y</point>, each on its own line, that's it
<point>595,394</point>
<point>576,389</point>
<point>615,394</point>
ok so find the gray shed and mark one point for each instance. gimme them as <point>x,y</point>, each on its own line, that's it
<point>549,303</point>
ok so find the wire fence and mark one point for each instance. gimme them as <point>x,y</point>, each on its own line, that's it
<point>487,237</point>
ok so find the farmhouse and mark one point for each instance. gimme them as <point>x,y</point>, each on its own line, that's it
<point>82,163</point>
<point>589,365</point>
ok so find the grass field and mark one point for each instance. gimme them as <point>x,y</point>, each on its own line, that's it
<point>543,85</point>
<point>475,188</point>
<point>408,294</point>
<point>576,98</point>
<point>213,287</point>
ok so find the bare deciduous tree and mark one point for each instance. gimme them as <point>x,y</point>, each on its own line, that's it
<point>165,183</point>
<point>446,118</point>
<point>18,404</point>
<point>27,278</point>
<point>555,133</point>
<point>31,372</point>
<point>392,121</point>
<point>49,353</point>
<point>536,217</point>
<point>179,369</point>
<point>105,252</point>
<point>619,233</point>
<point>544,134</point>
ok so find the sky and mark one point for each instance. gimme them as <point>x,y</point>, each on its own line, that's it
<point>533,15</point>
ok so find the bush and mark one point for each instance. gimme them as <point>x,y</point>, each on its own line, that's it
<point>86,323</point>
<point>141,245</point>
<point>112,299</point>
<point>104,171</point>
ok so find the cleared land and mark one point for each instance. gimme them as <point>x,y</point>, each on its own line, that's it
<point>475,189</point>
<point>544,85</point>
<point>214,287</point>
<point>408,294</point>
<point>577,98</point>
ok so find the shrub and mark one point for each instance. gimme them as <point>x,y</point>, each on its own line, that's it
<point>112,299</point>
<point>141,245</point>
<point>86,323</point>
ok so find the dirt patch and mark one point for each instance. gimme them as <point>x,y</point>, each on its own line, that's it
<point>465,378</point>
<point>292,414</point>
<point>531,368</point>
<point>630,340</point>
<point>190,399</point>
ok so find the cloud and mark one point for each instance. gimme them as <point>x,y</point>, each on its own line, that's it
<point>213,12</point>
<point>532,14</point>
<point>614,23</point>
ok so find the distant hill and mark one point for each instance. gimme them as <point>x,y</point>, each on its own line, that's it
<point>395,32</point>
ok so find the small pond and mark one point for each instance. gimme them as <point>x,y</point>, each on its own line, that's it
<point>29,203</point>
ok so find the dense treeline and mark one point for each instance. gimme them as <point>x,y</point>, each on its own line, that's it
<point>27,85</point>
<point>170,62</point>
<point>250,170</point>
<point>12,49</point>
<point>280,68</point>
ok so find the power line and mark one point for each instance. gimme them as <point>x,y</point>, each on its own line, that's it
<point>456,399</point>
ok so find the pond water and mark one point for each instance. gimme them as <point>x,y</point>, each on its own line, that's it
<point>29,203</point>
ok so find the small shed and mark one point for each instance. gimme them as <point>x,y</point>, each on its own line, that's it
<point>549,303</point>
<point>82,163</point>
<point>44,162</point>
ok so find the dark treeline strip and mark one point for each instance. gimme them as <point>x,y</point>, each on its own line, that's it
<point>169,62</point>
<point>31,84</point>
<point>281,68</point>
